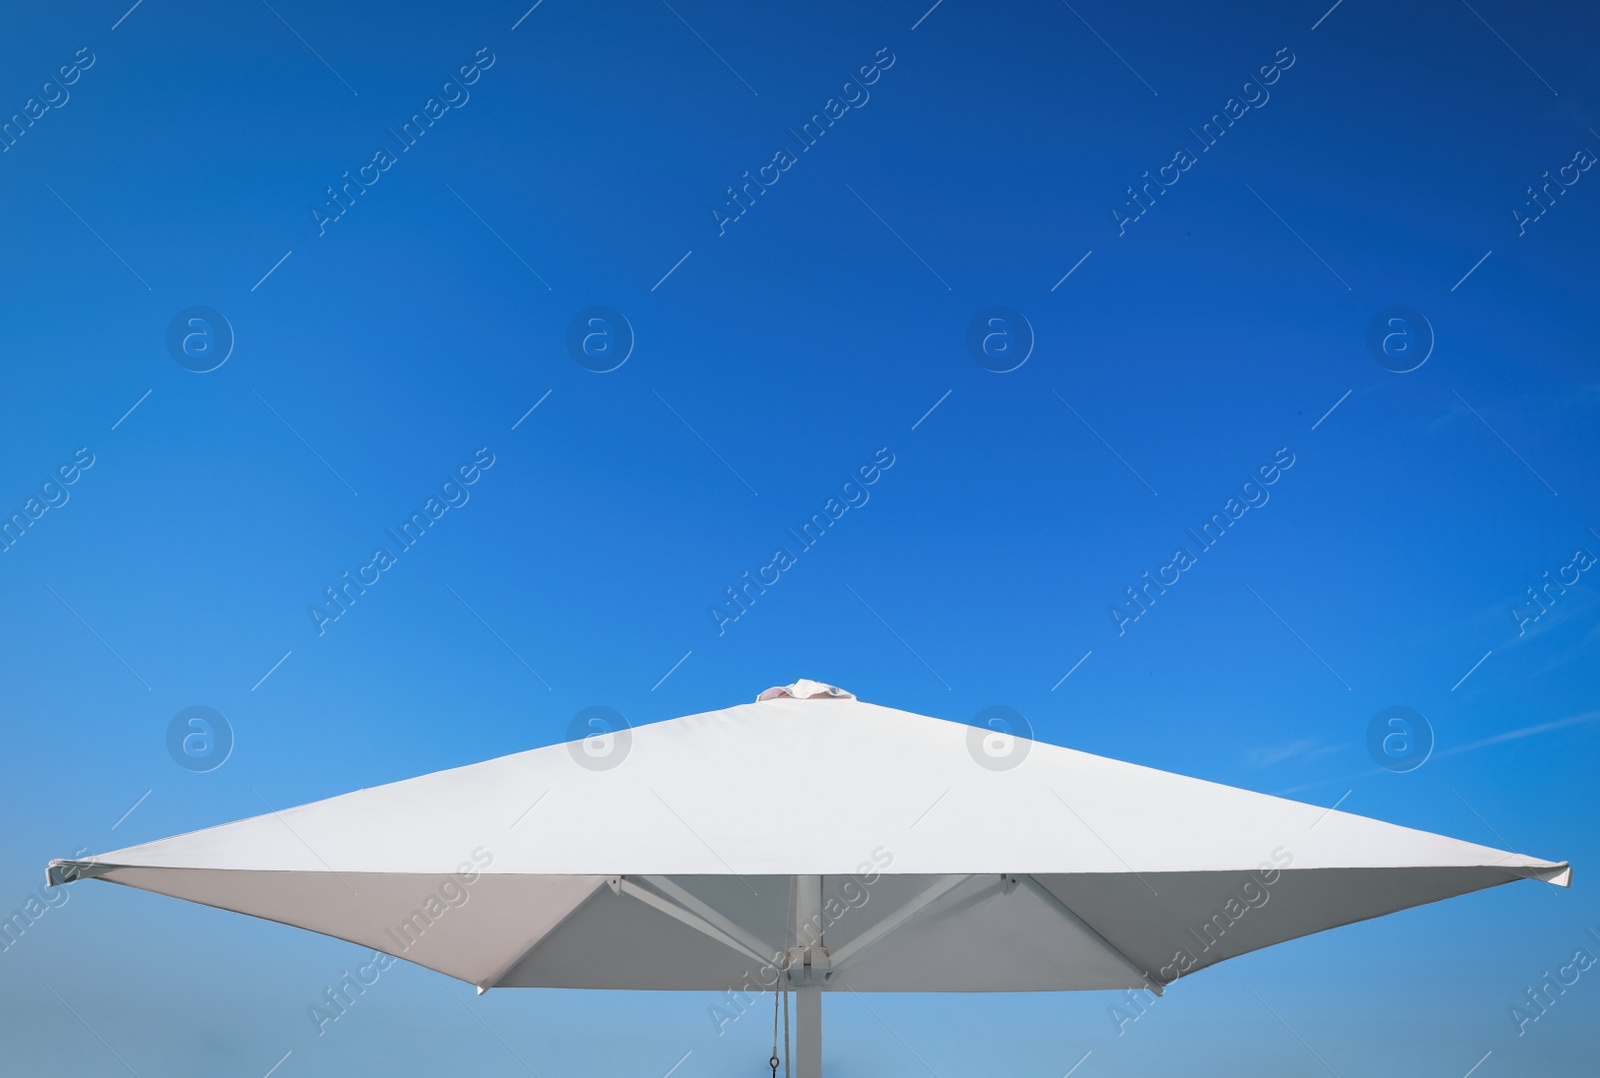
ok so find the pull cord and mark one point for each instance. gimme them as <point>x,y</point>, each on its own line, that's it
<point>774,1061</point>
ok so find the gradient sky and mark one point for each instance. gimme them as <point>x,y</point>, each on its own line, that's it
<point>772,356</point>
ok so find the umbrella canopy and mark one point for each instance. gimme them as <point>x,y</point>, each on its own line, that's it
<point>848,845</point>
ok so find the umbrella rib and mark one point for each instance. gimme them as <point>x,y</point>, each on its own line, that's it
<point>897,918</point>
<point>1152,983</point>
<point>626,886</point>
<point>973,898</point>
<point>710,915</point>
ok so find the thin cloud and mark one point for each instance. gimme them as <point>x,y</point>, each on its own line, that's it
<point>1309,748</point>
<point>1526,731</point>
<point>1510,735</point>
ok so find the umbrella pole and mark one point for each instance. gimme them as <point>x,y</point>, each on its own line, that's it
<point>808,987</point>
<point>808,1043</point>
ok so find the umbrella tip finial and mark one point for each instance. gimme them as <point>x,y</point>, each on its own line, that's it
<point>805,689</point>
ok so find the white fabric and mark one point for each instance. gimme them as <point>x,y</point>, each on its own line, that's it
<point>1130,865</point>
<point>806,690</point>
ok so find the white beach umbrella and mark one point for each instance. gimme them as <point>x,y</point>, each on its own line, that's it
<point>814,842</point>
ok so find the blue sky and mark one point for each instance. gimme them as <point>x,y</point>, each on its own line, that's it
<point>177,163</point>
